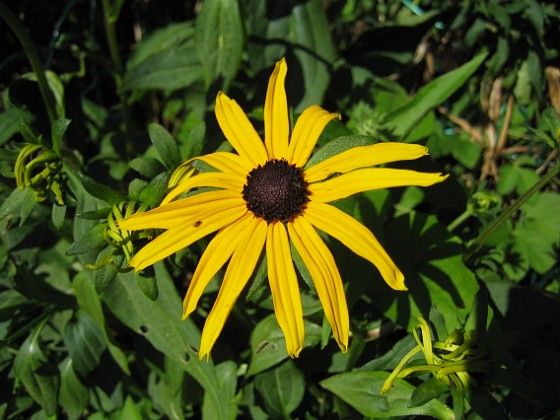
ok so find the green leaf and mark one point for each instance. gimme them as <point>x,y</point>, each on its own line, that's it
<point>9,124</point>
<point>85,342</point>
<point>362,391</point>
<point>153,193</point>
<point>220,40</point>
<point>165,145</point>
<point>169,69</point>
<point>282,389</point>
<point>19,203</point>
<point>90,303</point>
<point>160,323</point>
<point>307,43</point>
<point>58,215</point>
<point>227,373</point>
<point>537,236</point>
<point>427,391</point>
<point>100,214</point>
<point>268,345</point>
<point>32,368</point>
<point>58,129</point>
<point>146,166</point>
<point>147,284</point>
<point>196,141</point>
<point>106,274</point>
<point>309,29</point>
<point>337,146</point>
<point>93,239</point>
<point>74,395</point>
<point>432,263</point>
<point>403,120</point>
<point>165,389</point>
<point>101,191</point>
<point>130,410</point>
<point>170,37</point>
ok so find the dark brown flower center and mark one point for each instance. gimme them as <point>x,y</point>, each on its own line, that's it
<point>276,191</point>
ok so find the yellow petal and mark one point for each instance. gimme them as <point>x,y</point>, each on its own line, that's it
<point>363,157</point>
<point>218,251</point>
<point>309,127</point>
<point>240,268</point>
<point>239,131</point>
<point>324,272</point>
<point>168,215</point>
<point>276,121</point>
<point>207,179</point>
<point>178,238</point>
<point>356,237</point>
<point>228,162</point>
<point>370,179</point>
<point>284,287</point>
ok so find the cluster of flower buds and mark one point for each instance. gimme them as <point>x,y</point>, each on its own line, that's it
<point>452,361</point>
<point>40,169</point>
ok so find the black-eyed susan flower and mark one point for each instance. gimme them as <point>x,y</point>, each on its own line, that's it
<point>263,197</point>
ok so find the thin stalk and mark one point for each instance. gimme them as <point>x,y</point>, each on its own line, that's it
<point>110,22</point>
<point>510,210</point>
<point>31,53</point>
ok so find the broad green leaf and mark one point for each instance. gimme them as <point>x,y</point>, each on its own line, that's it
<point>430,96</point>
<point>90,303</point>
<point>85,342</point>
<point>169,69</point>
<point>93,239</point>
<point>146,166</point>
<point>167,38</point>
<point>537,236</point>
<point>39,377</point>
<point>303,25</point>
<point>432,263</point>
<point>19,203</point>
<point>391,359</point>
<point>130,410</point>
<point>282,389</point>
<point>153,193</point>
<point>74,395</point>
<point>268,345</point>
<point>103,192</point>
<point>220,40</point>
<point>227,373</point>
<point>362,391</point>
<point>166,145</point>
<point>160,323</point>
<point>427,391</point>
<point>309,29</point>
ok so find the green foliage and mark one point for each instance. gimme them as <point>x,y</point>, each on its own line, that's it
<point>99,109</point>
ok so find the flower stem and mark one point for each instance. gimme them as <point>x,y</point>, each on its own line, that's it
<point>509,211</point>
<point>31,53</point>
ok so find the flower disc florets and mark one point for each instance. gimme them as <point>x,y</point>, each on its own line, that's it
<point>276,191</point>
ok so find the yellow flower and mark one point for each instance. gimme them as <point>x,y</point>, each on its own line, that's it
<point>263,196</point>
